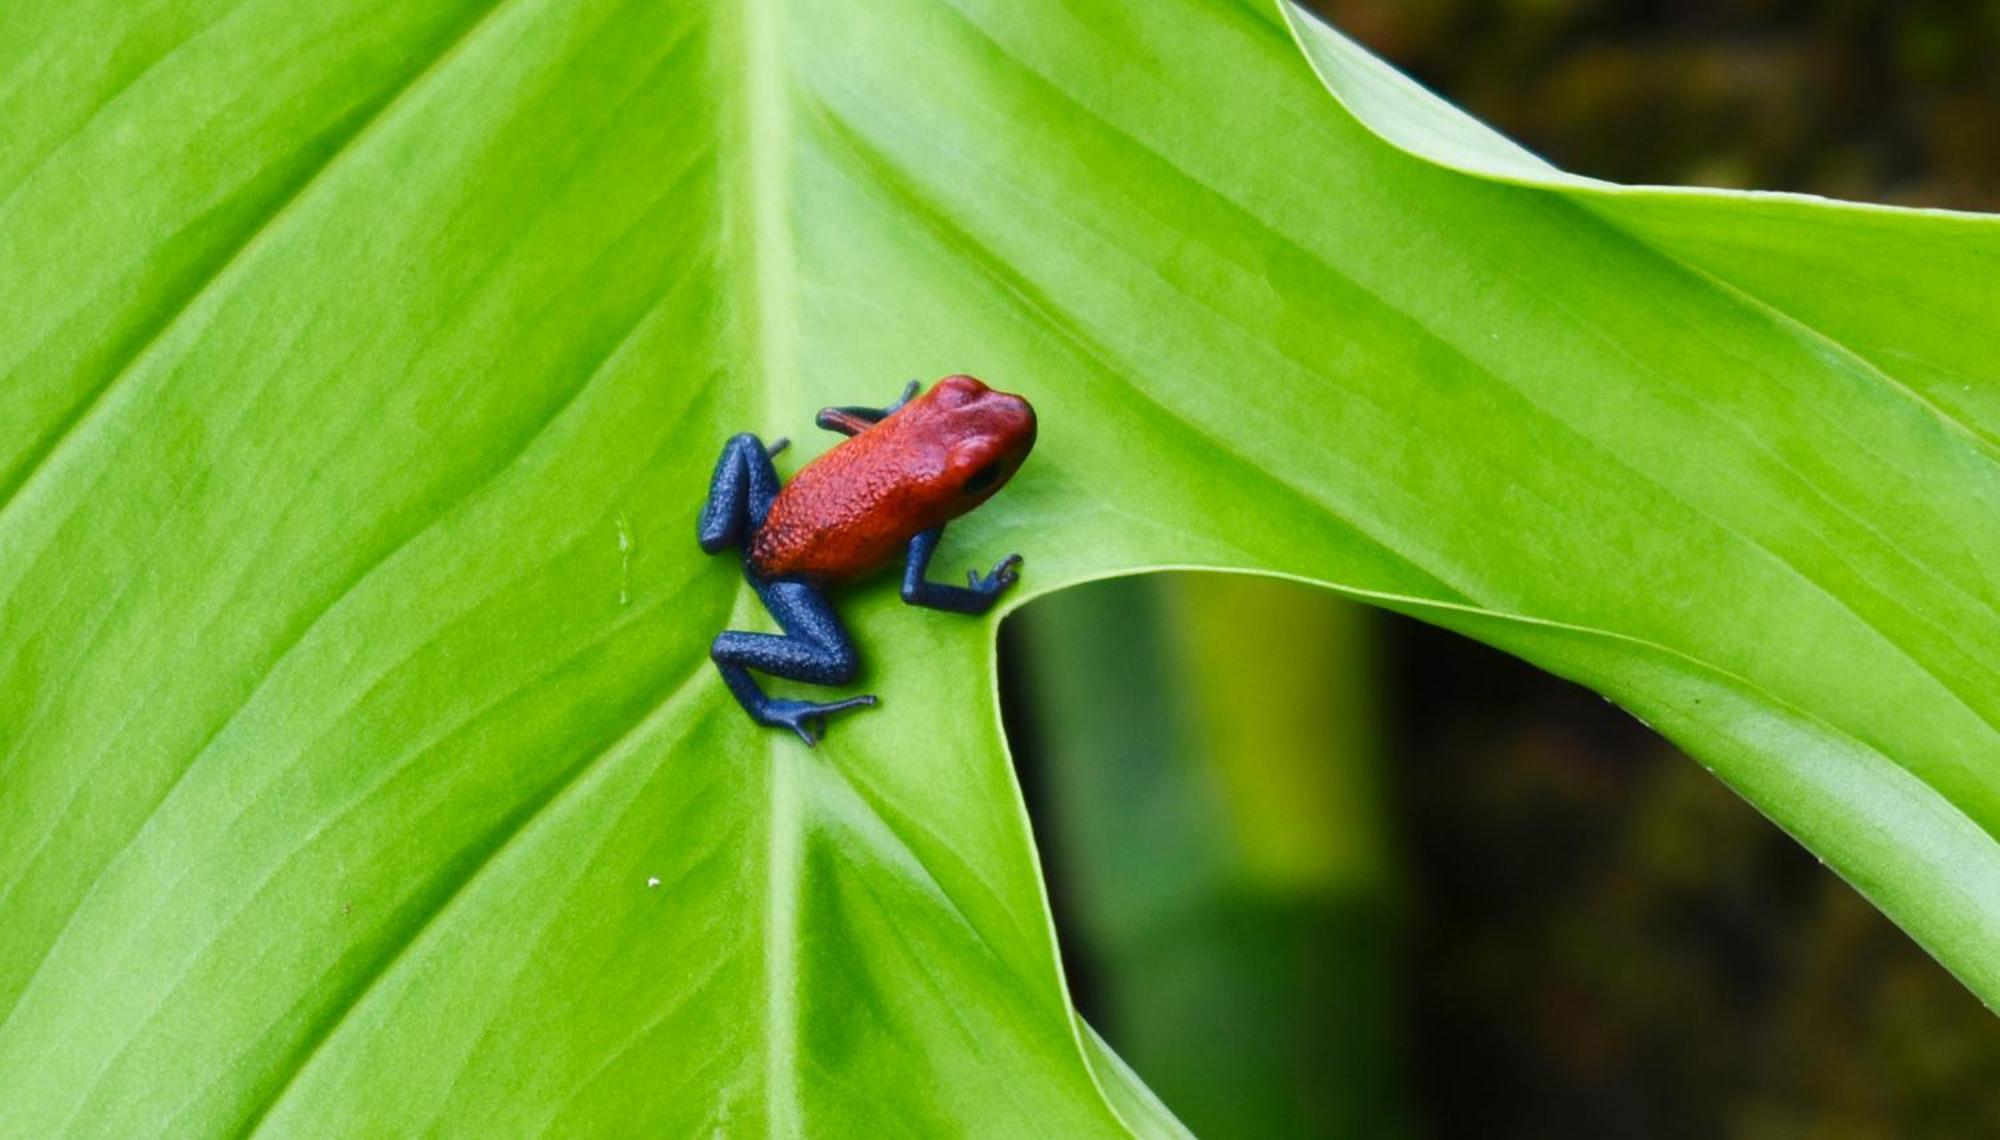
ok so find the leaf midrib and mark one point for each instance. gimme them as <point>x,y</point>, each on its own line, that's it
<point>757,191</point>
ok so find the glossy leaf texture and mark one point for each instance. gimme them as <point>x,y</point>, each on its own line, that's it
<point>361,767</point>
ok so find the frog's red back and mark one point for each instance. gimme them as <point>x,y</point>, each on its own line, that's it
<point>852,511</point>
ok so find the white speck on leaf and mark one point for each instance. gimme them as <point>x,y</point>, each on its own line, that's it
<point>624,560</point>
<point>652,881</point>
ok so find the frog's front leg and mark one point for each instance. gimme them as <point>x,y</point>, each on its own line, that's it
<point>814,648</point>
<point>853,420</point>
<point>975,597</point>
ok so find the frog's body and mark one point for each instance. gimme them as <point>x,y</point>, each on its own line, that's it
<point>908,469</point>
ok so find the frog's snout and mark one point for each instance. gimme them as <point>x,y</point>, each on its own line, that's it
<point>1009,417</point>
<point>996,415</point>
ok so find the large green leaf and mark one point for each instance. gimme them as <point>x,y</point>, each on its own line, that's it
<point>364,363</point>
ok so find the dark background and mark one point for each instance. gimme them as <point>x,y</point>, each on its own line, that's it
<point>1532,916</point>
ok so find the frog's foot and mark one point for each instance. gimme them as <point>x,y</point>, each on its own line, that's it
<point>975,597</point>
<point>807,718</point>
<point>1005,573</point>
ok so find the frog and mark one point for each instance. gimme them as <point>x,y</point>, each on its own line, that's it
<point>904,471</point>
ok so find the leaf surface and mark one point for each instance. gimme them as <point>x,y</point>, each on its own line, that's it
<point>363,369</point>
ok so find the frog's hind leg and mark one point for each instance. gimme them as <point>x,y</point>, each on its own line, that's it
<point>814,648</point>
<point>739,493</point>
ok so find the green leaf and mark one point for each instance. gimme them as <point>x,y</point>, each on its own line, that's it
<point>364,363</point>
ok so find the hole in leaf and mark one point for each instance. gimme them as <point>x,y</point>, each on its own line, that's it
<point>1421,884</point>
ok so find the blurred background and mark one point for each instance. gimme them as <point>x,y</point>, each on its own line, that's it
<point>1416,887</point>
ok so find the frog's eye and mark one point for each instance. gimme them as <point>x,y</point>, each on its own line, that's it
<point>983,479</point>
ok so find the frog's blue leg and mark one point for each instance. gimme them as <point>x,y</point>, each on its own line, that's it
<point>739,493</point>
<point>814,648</point>
<point>853,420</point>
<point>975,597</point>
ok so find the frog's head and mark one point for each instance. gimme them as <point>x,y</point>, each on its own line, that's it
<point>987,434</point>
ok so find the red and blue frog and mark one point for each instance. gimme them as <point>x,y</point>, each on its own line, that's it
<point>904,472</point>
